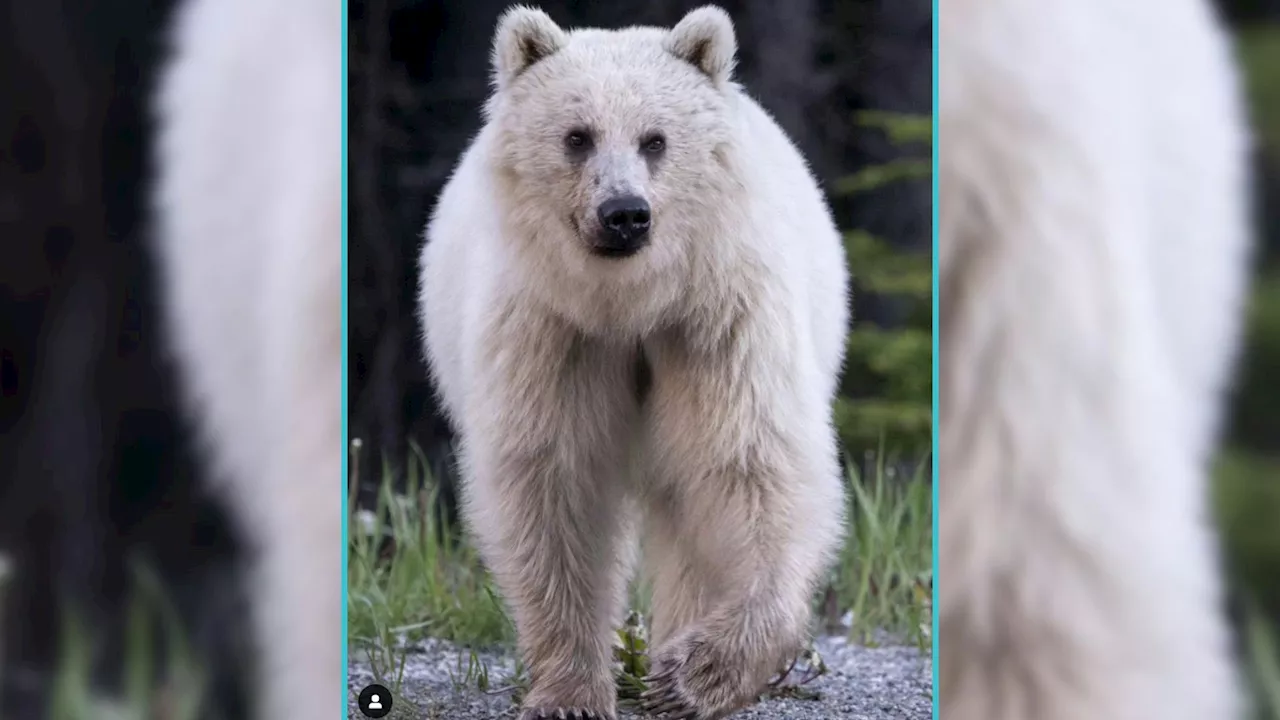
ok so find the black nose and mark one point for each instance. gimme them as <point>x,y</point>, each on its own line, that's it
<point>625,221</point>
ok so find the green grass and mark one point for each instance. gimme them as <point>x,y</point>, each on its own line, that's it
<point>406,581</point>
<point>167,684</point>
<point>1246,494</point>
<point>885,573</point>
<point>1247,485</point>
<point>1262,661</point>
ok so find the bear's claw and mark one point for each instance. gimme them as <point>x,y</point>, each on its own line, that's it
<point>561,713</point>
<point>663,698</point>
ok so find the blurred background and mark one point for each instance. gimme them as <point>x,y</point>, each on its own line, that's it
<point>1247,479</point>
<point>1244,482</point>
<point>120,592</point>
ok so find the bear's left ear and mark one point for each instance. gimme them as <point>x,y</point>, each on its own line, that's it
<point>704,38</point>
<point>525,35</point>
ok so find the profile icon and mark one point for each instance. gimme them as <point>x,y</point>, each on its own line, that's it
<point>375,701</point>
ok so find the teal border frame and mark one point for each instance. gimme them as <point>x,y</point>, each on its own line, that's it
<point>346,441</point>
<point>936,316</point>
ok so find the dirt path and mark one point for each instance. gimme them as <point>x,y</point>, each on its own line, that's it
<point>889,683</point>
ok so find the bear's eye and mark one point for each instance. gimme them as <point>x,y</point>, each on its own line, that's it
<point>577,140</point>
<point>654,144</point>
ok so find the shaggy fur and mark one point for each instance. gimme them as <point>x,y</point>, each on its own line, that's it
<point>249,204</point>
<point>737,307</point>
<point>1093,258</point>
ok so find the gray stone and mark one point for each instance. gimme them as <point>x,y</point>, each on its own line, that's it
<point>862,683</point>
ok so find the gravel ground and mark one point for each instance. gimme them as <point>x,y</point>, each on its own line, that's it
<point>887,683</point>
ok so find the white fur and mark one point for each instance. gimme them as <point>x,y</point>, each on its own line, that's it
<point>1093,254</point>
<point>739,303</point>
<point>249,228</point>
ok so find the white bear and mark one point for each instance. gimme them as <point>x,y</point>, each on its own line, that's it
<point>634,300</point>
<point>1093,251</point>
<point>249,203</point>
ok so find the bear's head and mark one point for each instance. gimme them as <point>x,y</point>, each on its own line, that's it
<point>612,144</point>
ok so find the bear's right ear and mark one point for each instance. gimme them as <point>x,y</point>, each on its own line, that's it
<point>704,38</point>
<point>525,35</point>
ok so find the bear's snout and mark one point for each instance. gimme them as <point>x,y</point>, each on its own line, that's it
<point>624,226</point>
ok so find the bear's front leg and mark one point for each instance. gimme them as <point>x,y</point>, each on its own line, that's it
<point>747,479</point>
<point>544,444</point>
